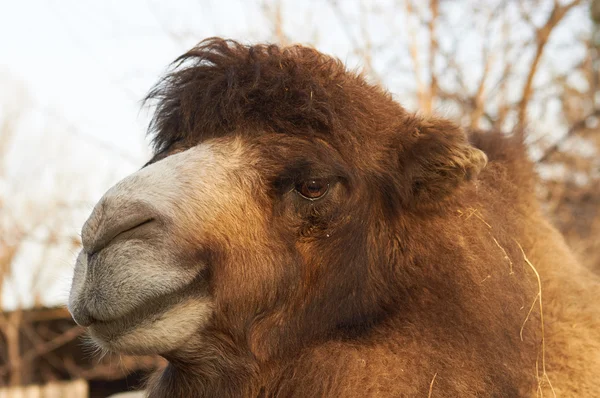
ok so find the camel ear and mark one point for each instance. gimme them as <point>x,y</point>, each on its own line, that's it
<point>437,158</point>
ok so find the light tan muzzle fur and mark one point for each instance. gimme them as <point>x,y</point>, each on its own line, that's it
<point>138,283</point>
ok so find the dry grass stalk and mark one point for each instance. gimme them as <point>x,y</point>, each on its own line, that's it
<point>538,298</point>
<point>474,212</point>
<point>431,385</point>
<point>505,256</point>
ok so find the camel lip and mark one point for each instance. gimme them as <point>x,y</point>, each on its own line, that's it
<point>148,312</point>
<point>124,321</point>
<point>116,326</point>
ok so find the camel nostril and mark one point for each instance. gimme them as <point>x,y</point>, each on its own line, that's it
<point>110,233</point>
<point>112,217</point>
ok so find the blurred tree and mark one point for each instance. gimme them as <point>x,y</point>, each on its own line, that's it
<point>572,192</point>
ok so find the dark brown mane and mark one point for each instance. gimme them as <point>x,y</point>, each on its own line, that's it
<point>222,85</point>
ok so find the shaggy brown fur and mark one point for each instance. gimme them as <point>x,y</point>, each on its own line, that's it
<point>408,281</point>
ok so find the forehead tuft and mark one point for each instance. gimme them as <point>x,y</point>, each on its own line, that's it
<point>222,86</point>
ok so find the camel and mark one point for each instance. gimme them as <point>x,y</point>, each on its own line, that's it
<point>298,233</point>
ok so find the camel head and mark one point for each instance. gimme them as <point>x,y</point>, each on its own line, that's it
<point>269,212</point>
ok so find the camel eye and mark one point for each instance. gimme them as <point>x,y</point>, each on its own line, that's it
<point>312,189</point>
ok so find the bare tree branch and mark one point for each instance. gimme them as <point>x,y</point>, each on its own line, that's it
<point>572,130</point>
<point>360,50</point>
<point>542,35</point>
<point>433,51</point>
<point>414,53</point>
<point>273,14</point>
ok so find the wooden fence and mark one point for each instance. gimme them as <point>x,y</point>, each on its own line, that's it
<point>70,389</point>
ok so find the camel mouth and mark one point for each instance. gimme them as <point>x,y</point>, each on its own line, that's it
<point>161,315</point>
<point>144,313</point>
<point>152,309</point>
